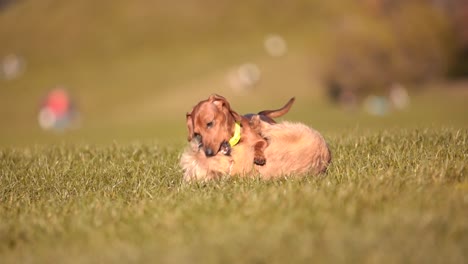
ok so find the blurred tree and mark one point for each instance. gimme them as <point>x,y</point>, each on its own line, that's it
<point>385,42</point>
<point>5,3</point>
<point>459,11</point>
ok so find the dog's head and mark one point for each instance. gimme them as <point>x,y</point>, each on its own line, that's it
<point>211,123</point>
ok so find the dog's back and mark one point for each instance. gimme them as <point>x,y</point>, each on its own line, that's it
<point>294,148</point>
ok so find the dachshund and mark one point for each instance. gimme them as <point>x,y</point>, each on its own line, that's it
<point>294,150</point>
<point>216,127</point>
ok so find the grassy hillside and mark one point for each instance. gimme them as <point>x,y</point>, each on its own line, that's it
<point>111,190</point>
<point>123,62</point>
<point>387,198</point>
<point>134,69</point>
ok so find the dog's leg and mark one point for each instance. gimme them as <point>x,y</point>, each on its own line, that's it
<point>278,112</point>
<point>259,156</point>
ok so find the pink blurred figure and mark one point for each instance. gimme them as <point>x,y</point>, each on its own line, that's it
<point>57,111</point>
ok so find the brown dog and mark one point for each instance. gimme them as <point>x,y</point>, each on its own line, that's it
<point>294,149</point>
<point>217,128</point>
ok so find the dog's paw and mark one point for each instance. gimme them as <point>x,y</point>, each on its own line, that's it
<point>225,148</point>
<point>259,160</point>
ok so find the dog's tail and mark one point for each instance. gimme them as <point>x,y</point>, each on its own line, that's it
<point>278,112</point>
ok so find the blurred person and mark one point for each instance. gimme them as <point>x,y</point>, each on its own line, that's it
<point>58,111</point>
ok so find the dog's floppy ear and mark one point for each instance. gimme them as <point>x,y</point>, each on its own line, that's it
<point>189,126</point>
<point>223,105</point>
<point>219,101</point>
<point>236,116</point>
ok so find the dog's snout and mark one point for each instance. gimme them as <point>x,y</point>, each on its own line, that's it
<point>209,152</point>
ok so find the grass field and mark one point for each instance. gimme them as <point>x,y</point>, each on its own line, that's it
<point>111,191</point>
<point>387,198</point>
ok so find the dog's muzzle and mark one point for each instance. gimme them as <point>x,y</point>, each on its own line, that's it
<point>209,152</point>
<point>225,147</point>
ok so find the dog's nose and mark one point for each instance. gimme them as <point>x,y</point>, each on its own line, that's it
<point>209,152</point>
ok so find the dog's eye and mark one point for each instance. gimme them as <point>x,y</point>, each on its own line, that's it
<point>210,124</point>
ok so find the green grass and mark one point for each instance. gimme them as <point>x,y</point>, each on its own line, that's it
<point>389,197</point>
<point>112,190</point>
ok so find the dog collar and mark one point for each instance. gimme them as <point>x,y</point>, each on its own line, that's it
<point>237,135</point>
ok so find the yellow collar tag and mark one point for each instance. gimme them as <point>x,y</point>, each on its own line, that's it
<point>237,135</point>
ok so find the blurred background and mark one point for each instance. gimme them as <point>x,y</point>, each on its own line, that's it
<point>124,71</point>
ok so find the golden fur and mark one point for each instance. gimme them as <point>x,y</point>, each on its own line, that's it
<point>294,149</point>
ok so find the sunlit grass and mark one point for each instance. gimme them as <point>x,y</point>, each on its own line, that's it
<point>112,190</point>
<point>388,197</point>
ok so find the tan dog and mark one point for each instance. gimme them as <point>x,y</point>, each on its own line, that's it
<point>216,127</point>
<point>294,149</point>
